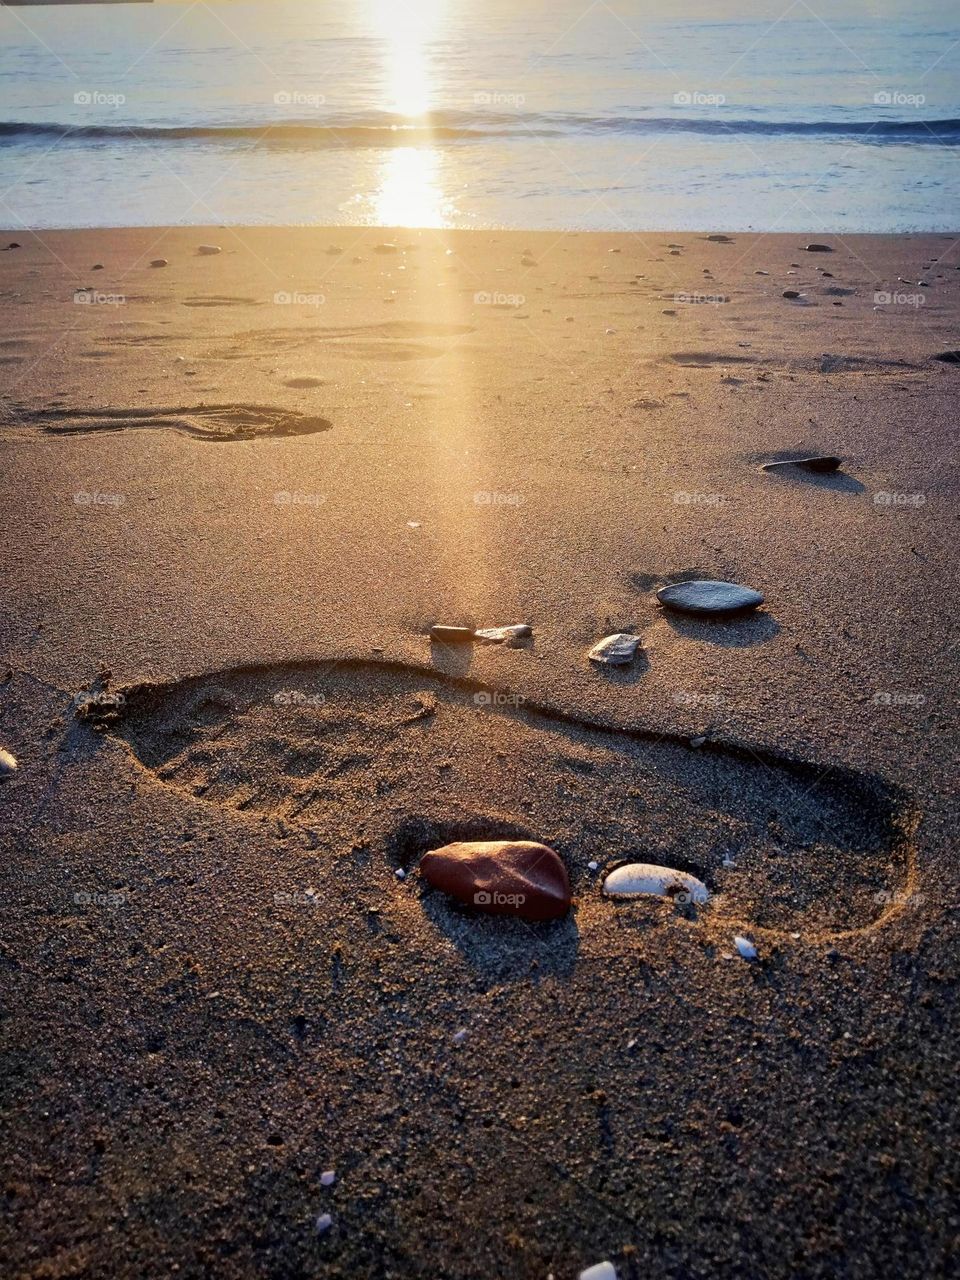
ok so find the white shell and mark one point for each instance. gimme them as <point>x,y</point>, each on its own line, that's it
<point>745,947</point>
<point>600,1271</point>
<point>637,878</point>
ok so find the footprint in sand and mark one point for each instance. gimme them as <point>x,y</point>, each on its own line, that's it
<point>425,759</point>
<point>213,422</point>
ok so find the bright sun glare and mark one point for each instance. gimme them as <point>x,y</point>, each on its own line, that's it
<point>406,30</point>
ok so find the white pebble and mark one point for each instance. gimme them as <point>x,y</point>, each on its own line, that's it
<point>328,1177</point>
<point>745,948</point>
<point>324,1223</point>
<point>600,1271</point>
<point>592,866</point>
<point>8,763</point>
<point>459,1037</point>
<point>640,878</point>
<point>400,873</point>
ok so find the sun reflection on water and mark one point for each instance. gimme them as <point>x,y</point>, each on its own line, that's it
<point>410,194</point>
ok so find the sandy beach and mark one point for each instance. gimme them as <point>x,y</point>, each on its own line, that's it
<point>239,489</point>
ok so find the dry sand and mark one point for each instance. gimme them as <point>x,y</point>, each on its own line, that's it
<point>231,521</point>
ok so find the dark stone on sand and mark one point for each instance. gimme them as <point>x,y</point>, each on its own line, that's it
<point>97,266</point>
<point>451,635</point>
<point>818,248</point>
<point>519,878</point>
<point>705,596</point>
<point>13,245</point>
<point>719,239</point>
<point>159,262</point>
<point>8,764</point>
<point>816,462</point>
<point>791,293</point>
<point>948,357</point>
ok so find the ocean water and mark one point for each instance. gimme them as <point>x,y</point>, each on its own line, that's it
<point>720,114</point>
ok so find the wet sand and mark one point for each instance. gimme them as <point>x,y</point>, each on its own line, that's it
<point>239,489</point>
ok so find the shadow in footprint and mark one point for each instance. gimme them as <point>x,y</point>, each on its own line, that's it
<point>738,631</point>
<point>629,674</point>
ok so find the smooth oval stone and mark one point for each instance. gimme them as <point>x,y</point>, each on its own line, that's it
<point>948,357</point>
<point>504,635</point>
<point>209,249</point>
<point>790,293</point>
<point>706,596</point>
<point>159,262</point>
<point>385,248</point>
<point>518,878</point>
<point>8,763</point>
<point>817,462</point>
<point>599,1271</point>
<point>637,879</point>
<point>451,635</point>
<point>818,248</point>
<point>617,650</point>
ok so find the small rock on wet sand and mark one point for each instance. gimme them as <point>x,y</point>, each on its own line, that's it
<point>745,948</point>
<point>324,1223</point>
<point>328,1177</point>
<point>617,650</point>
<point>640,879</point>
<point>385,248</point>
<point>504,635</point>
<point>816,462</point>
<point>8,764</point>
<point>791,293</point>
<point>519,878</point>
<point>159,262</point>
<point>948,357</point>
<point>208,250</point>
<point>705,596</point>
<point>818,248</point>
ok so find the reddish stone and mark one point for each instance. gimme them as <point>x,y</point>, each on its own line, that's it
<point>502,877</point>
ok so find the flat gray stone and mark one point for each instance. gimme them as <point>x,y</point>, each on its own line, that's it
<point>704,596</point>
<point>818,248</point>
<point>617,650</point>
<point>504,635</point>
